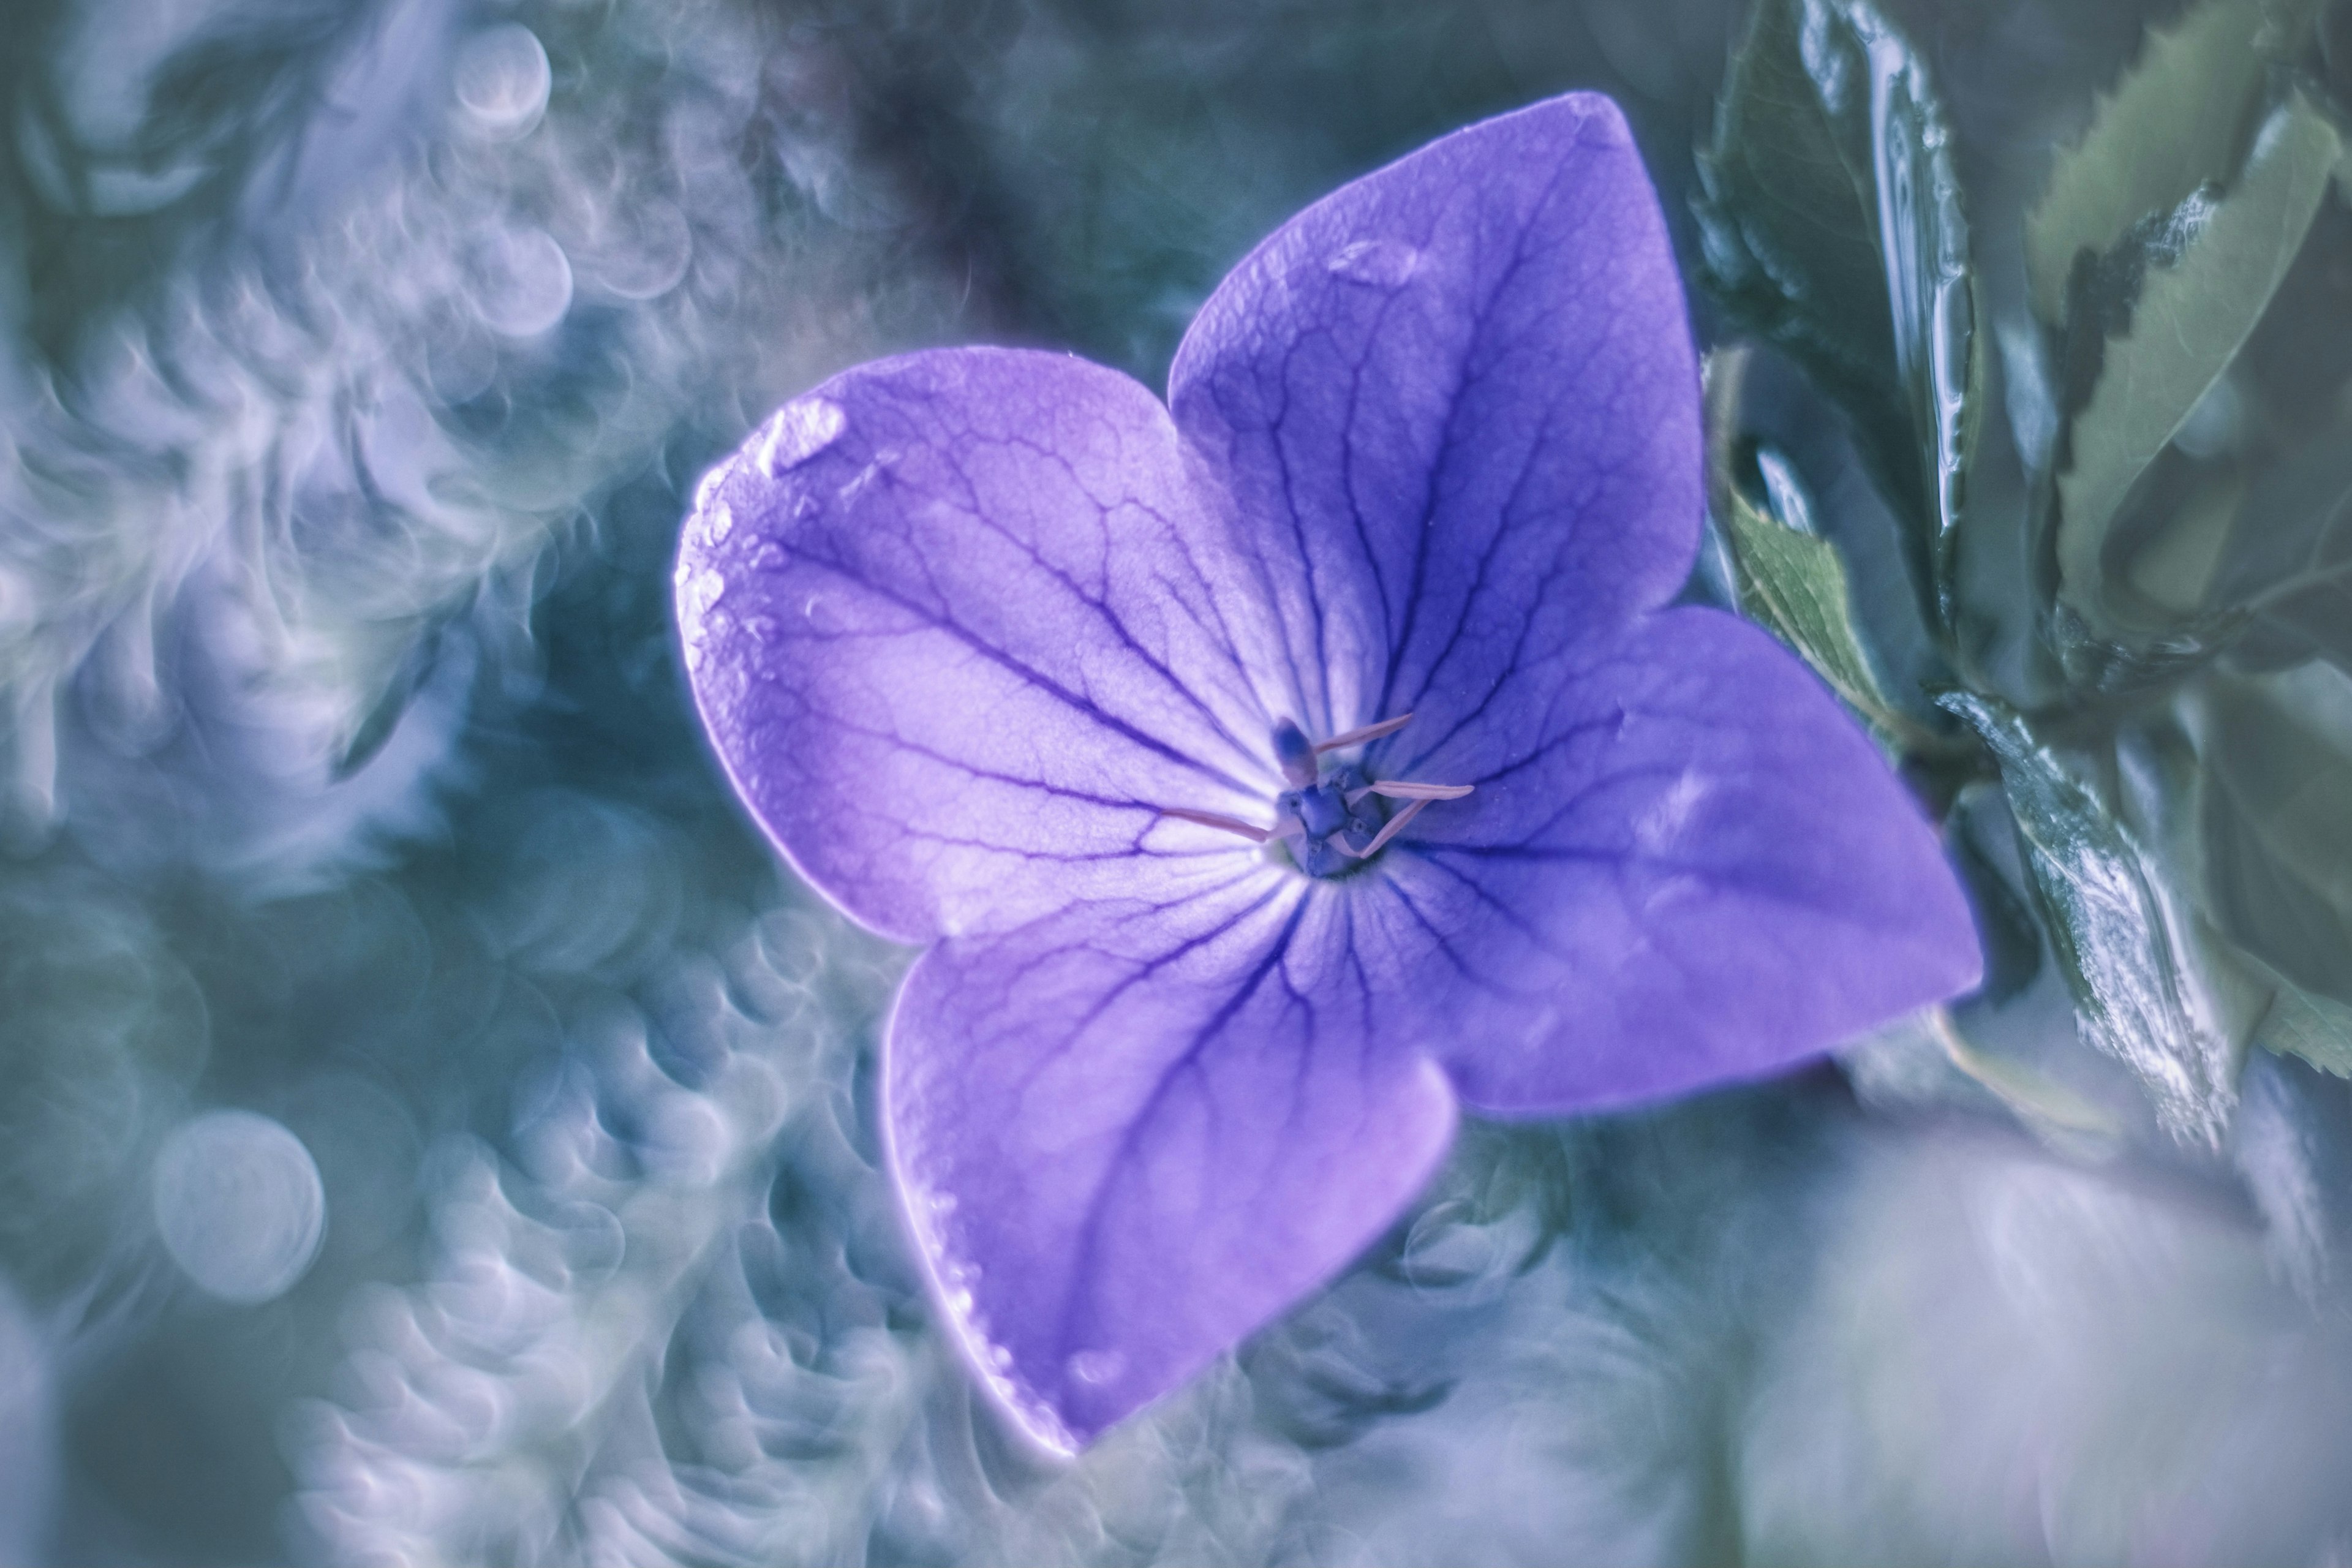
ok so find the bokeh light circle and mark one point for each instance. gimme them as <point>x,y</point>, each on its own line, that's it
<point>240,1204</point>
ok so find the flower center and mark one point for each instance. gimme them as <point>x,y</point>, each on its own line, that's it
<point>1332,819</point>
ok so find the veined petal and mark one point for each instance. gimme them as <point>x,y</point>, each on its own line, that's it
<point>1125,1139</point>
<point>958,628</point>
<point>1694,869</point>
<point>1458,407</point>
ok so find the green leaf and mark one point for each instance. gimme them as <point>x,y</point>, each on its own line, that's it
<point>2194,310</point>
<point>2285,556</point>
<point>1789,210</point>
<point>2295,1022</point>
<point>2041,1101</point>
<point>2317,1028</point>
<point>1924,1059</point>
<point>2278,822</point>
<point>2175,122</point>
<point>1977,833</point>
<point>1792,583</point>
<point>2171,570</point>
<point>2102,666</point>
<point>1832,226</point>
<point>2114,930</point>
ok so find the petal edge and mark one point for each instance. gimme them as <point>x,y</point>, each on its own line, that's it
<point>1119,1153</point>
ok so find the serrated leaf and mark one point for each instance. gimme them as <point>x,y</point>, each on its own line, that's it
<point>1793,581</point>
<point>2174,123</point>
<point>1833,225</point>
<point>2278,822</point>
<point>2191,316</point>
<point>2111,927</point>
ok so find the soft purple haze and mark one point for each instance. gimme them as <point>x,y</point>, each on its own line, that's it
<point>965,626</point>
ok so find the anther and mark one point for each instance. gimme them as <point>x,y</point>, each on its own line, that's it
<point>1210,819</point>
<point>1395,825</point>
<point>1296,757</point>
<point>1398,789</point>
<point>1355,737</point>
<point>1318,816</point>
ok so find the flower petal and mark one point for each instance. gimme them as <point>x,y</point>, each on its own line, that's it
<point>1126,1138</point>
<point>1458,407</point>
<point>956,628</point>
<point>1695,870</point>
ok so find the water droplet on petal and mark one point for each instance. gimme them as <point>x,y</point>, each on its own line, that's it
<point>1663,826</point>
<point>799,431</point>
<point>717,630</point>
<point>698,588</point>
<point>709,486</point>
<point>718,523</point>
<point>1096,1367</point>
<point>1376,263</point>
<point>240,1204</point>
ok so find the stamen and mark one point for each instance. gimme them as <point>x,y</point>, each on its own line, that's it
<point>1224,823</point>
<point>1316,816</point>
<point>1296,757</point>
<point>1398,789</point>
<point>1368,732</point>
<point>1395,825</point>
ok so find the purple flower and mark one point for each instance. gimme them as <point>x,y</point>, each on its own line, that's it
<point>1121,708</point>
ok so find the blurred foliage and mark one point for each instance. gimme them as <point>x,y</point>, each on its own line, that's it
<point>359,362</point>
<point>2191,888</point>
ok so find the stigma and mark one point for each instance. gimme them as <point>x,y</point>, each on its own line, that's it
<point>1332,818</point>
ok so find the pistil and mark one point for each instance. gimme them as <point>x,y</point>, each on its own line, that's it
<point>1322,820</point>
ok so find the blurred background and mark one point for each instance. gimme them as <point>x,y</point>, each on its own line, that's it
<point>434,1129</point>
